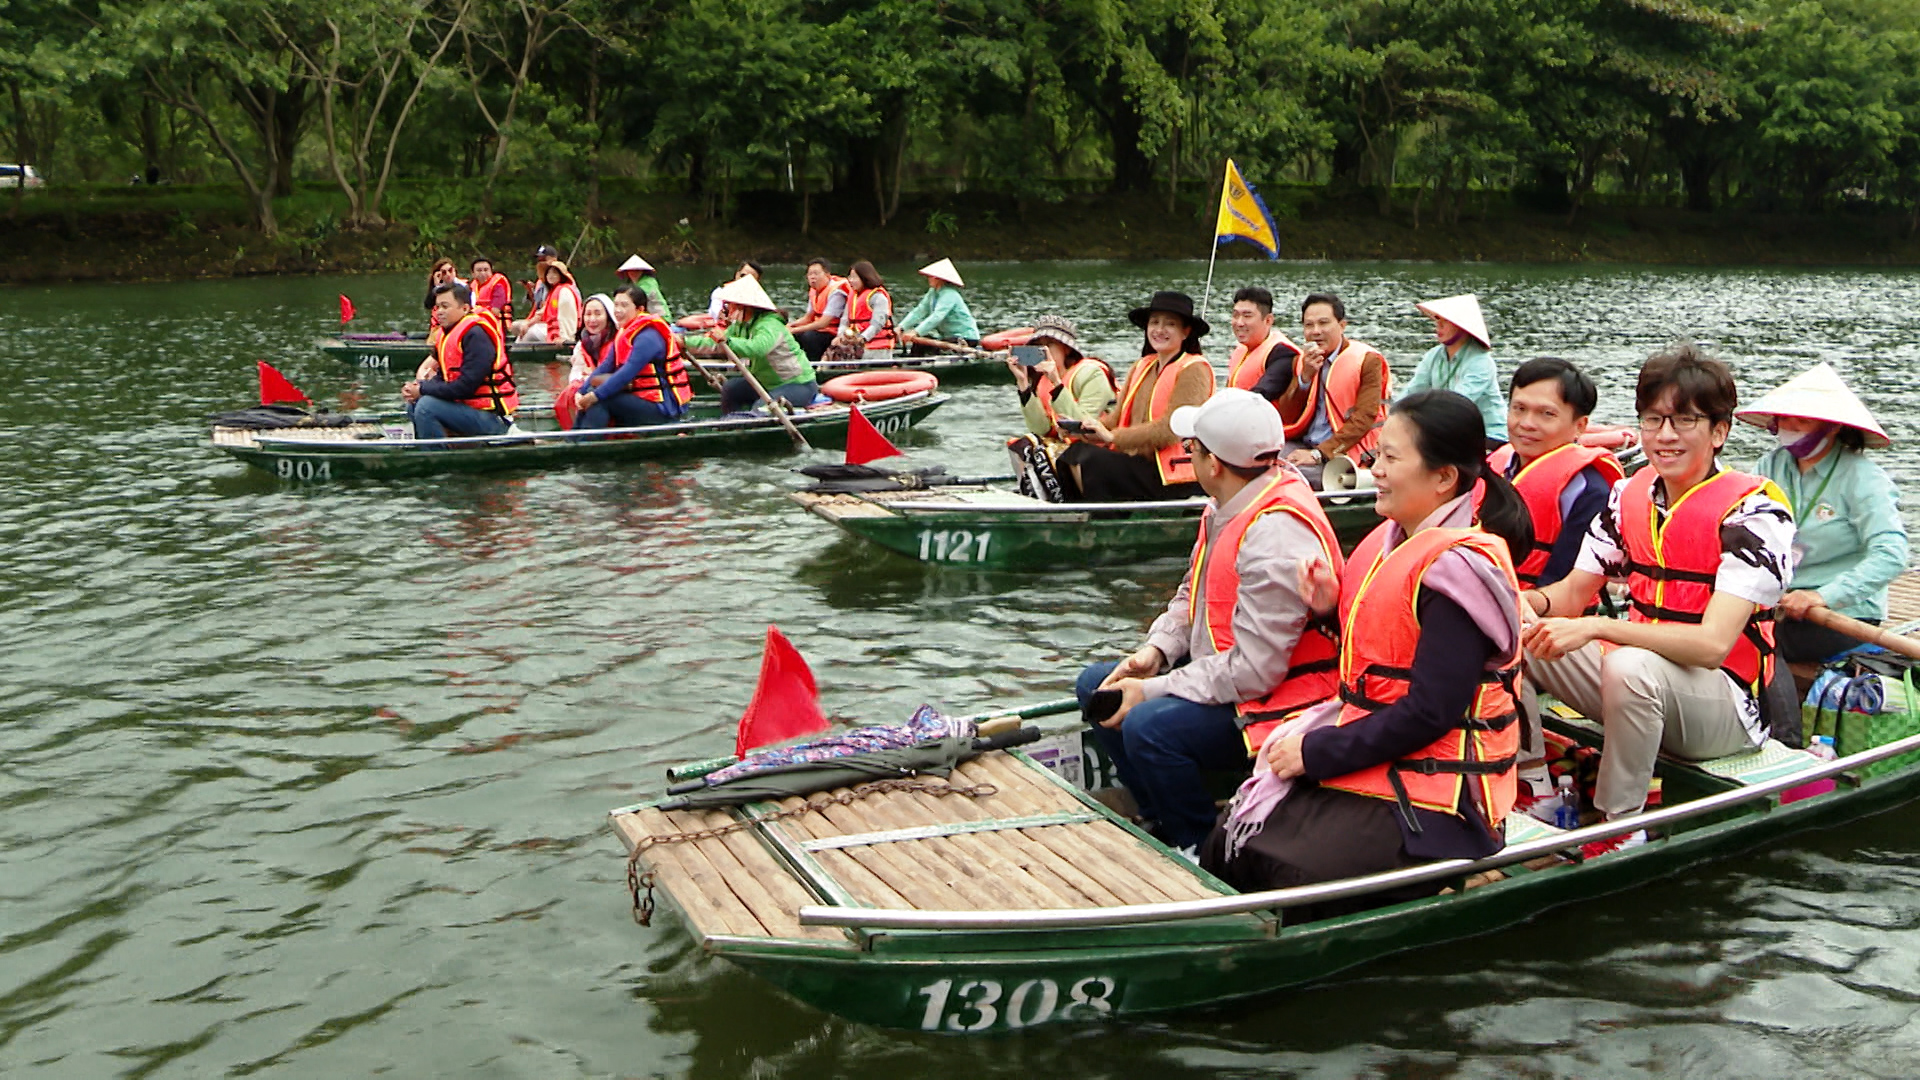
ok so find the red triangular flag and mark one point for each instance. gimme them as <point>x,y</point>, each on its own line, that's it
<point>274,387</point>
<point>785,705</point>
<point>864,441</point>
<point>346,310</point>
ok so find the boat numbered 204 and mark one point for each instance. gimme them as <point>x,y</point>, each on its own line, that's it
<point>955,545</point>
<point>977,1005</point>
<point>379,361</point>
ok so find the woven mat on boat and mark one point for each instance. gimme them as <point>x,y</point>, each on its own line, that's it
<point>1772,760</point>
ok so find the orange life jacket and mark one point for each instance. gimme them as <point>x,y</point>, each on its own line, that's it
<point>497,394</point>
<point>1380,595</point>
<point>1671,567</point>
<point>1245,366</point>
<point>1213,573</point>
<point>494,294</point>
<point>1173,461</point>
<point>817,303</point>
<point>1043,387</point>
<point>1341,375</point>
<point>860,316</point>
<point>550,310</point>
<point>1541,482</point>
<point>647,383</point>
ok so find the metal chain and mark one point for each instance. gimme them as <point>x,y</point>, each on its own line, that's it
<point>638,882</point>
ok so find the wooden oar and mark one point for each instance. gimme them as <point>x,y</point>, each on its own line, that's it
<point>954,346</point>
<point>1867,632</point>
<point>799,440</point>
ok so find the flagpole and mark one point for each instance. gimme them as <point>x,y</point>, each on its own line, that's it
<point>1214,255</point>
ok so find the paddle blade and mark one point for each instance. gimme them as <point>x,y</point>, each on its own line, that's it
<point>274,387</point>
<point>785,704</point>
<point>864,441</point>
<point>346,310</point>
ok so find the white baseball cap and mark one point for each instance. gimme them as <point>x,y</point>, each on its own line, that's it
<point>1237,426</point>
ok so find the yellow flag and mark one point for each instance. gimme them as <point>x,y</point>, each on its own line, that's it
<point>1244,217</point>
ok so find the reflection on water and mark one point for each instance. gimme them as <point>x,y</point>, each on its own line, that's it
<point>310,780</point>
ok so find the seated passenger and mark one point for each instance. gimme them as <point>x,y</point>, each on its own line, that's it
<point>1256,341</point>
<point>1334,396</point>
<point>441,274</point>
<point>557,318</point>
<point>597,327</point>
<point>1846,509</point>
<point>1236,647</point>
<point>1414,760</point>
<point>941,315</point>
<point>1461,362</point>
<point>639,272</point>
<point>1706,553</point>
<point>868,329</point>
<point>643,379</point>
<point>826,306</point>
<point>1565,486</point>
<point>1066,385</point>
<point>469,389</point>
<point>1130,453</point>
<point>758,335</point>
<point>492,292</point>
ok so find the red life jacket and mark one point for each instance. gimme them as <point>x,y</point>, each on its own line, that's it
<point>1341,374</point>
<point>1043,388</point>
<point>550,310</point>
<point>1380,593</point>
<point>860,316</point>
<point>497,394</point>
<point>496,295</point>
<point>817,303</point>
<point>1540,483</point>
<point>1213,573</point>
<point>1671,567</point>
<point>647,383</point>
<point>1172,460</point>
<point>1245,366</point>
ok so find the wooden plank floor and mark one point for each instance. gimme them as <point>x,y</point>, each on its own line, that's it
<point>734,885</point>
<point>229,436</point>
<point>1903,599</point>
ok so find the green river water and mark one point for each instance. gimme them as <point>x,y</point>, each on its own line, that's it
<point>311,780</point>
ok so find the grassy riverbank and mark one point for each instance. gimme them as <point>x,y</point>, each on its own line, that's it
<point>189,232</point>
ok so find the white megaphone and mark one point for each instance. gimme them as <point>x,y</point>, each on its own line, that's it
<point>1341,474</point>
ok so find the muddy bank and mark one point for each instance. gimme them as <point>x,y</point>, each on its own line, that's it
<point>202,232</point>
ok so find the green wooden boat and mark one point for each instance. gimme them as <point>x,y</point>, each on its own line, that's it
<point>403,358</point>
<point>992,526</point>
<point>384,445</point>
<point>1037,905</point>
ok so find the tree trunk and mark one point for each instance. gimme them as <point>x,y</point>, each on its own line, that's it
<point>1132,172</point>
<point>289,115</point>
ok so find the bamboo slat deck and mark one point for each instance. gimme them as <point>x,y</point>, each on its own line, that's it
<point>231,436</point>
<point>1032,844</point>
<point>1903,600</point>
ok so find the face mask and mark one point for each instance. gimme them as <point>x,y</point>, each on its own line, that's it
<point>1805,446</point>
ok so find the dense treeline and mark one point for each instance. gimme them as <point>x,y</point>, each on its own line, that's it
<point>1802,105</point>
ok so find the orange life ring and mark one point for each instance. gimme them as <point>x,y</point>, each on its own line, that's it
<point>701,321</point>
<point>878,385</point>
<point>1006,339</point>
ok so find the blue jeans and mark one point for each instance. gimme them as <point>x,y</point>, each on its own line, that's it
<point>438,418</point>
<point>1161,750</point>
<point>623,410</point>
<point>738,396</point>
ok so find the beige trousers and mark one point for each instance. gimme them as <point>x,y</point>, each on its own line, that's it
<point>1647,704</point>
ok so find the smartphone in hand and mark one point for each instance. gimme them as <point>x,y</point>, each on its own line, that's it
<point>1071,427</point>
<point>1100,706</point>
<point>1029,355</point>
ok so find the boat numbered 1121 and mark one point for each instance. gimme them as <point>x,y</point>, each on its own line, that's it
<point>954,545</point>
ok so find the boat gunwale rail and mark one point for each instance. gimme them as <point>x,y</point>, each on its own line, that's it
<point>1174,911</point>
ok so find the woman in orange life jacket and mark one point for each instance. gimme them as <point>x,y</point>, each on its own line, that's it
<point>643,379</point>
<point>868,326</point>
<point>557,318</point>
<point>1130,454</point>
<point>1064,386</point>
<point>441,274</point>
<point>1706,553</point>
<point>1235,647</point>
<point>471,389</point>
<point>1414,760</point>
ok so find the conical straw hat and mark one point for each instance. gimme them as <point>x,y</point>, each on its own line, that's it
<point>633,263</point>
<point>746,292</point>
<point>944,271</point>
<point>1462,311</point>
<point>1816,394</point>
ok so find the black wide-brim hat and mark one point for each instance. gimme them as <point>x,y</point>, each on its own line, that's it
<point>1173,303</point>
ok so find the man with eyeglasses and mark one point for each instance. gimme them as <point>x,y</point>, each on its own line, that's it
<point>1706,553</point>
<point>1236,650</point>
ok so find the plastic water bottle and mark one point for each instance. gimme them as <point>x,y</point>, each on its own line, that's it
<point>1822,748</point>
<point>1566,815</point>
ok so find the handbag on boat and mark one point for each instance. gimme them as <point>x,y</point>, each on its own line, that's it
<point>1864,701</point>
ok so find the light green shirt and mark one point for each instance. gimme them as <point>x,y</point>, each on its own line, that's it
<point>1088,393</point>
<point>943,314</point>
<point>768,348</point>
<point>656,301</point>
<point>1847,529</point>
<point>1469,373</point>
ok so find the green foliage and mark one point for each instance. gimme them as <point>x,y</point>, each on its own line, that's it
<point>942,223</point>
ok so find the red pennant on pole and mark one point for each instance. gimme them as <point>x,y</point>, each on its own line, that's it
<point>785,704</point>
<point>346,310</point>
<point>864,441</point>
<point>274,387</point>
